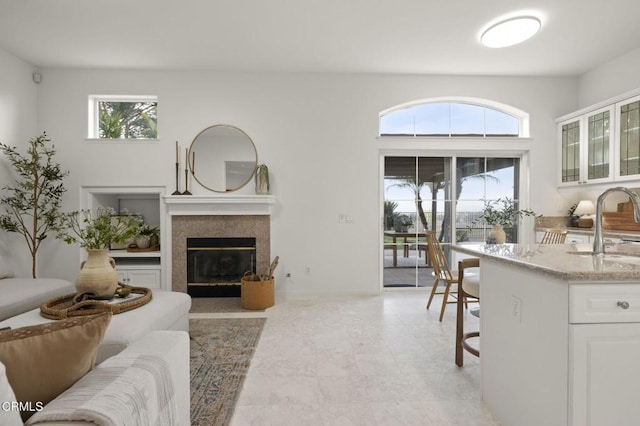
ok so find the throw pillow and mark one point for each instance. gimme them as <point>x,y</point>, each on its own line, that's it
<point>42,361</point>
<point>9,413</point>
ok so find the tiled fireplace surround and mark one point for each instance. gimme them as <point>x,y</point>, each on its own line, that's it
<point>217,216</point>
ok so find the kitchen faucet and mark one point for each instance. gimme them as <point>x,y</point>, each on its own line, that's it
<point>598,244</point>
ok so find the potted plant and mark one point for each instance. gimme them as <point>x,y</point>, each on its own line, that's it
<point>389,214</point>
<point>95,233</point>
<point>145,236</point>
<point>34,198</point>
<point>502,213</point>
<point>401,222</point>
<point>573,218</point>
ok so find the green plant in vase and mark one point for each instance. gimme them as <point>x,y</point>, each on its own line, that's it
<point>101,230</point>
<point>502,214</point>
<point>573,218</point>
<point>96,233</point>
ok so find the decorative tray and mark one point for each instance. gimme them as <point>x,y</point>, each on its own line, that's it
<point>79,304</point>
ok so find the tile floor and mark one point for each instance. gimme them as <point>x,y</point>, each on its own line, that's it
<point>381,360</point>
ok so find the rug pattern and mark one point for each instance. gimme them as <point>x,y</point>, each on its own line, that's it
<point>221,351</point>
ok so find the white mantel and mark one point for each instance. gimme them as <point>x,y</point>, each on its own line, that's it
<point>218,204</point>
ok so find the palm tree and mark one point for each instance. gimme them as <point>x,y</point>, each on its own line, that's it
<point>416,185</point>
<point>437,183</point>
<point>128,120</point>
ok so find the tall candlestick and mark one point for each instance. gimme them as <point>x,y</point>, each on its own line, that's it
<point>186,158</point>
<point>193,162</point>
<point>177,192</point>
<point>186,182</point>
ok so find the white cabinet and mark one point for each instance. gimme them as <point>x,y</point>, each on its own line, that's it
<point>603,354</point>
<point>600,143</point>
<point>605,374</point>
<point>585,148</point>
<point>139,277</point>
<point>142,269</point>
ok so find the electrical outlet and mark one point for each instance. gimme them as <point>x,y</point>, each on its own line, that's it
<point>307,270</point>
<point>516,308</point>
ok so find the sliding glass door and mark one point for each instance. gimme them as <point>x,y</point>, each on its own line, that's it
<point>444,194</point>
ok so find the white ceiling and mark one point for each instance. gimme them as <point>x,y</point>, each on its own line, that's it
<point>371,36</point>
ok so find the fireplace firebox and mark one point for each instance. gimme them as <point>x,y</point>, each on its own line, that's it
<point>216,265</point>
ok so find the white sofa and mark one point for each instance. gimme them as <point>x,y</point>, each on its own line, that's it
<point>158,329</point>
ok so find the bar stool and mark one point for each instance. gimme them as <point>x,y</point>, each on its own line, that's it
<point>554,236</point>
<point>468,286</point>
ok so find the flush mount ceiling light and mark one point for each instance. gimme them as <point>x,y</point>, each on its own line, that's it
<point>510,31</point>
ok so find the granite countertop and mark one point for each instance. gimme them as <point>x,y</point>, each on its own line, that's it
<point>610,233</point>
<point>570,262</point>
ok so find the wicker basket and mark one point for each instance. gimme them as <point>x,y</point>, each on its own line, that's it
<point>256,294</point>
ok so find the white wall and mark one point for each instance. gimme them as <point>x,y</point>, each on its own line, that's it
<point>18,119</point>
<point>316,132</point>
<point>611,79</point>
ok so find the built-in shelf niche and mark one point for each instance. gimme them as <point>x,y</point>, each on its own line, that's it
<point>146,269</point>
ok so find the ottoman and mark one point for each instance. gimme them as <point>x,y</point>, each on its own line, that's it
<point>167,310</point>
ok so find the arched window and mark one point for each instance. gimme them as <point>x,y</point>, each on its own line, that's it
<point>451,118</point>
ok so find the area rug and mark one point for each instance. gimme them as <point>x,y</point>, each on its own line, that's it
<point>218,305</point>
<point>221,351</point>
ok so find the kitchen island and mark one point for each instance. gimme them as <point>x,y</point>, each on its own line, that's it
<point>559,333</point>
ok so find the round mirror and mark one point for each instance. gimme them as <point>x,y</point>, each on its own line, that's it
<point>222,158</point>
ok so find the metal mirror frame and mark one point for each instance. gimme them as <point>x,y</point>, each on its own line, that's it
<point>192,151</point>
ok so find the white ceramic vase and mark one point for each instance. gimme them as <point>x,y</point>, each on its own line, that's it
<point>497,234</point>
<point>143,241</point>
<point>98,275</point>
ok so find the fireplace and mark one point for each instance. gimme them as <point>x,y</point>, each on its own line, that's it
<point>216,265</point>
<point>206,216</point>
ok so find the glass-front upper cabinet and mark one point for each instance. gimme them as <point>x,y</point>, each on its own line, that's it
<point>628,131</point>
<point>570,151</point>
<point>585,148</point>
<point>598,144</point>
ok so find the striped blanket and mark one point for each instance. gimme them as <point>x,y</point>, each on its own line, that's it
<point>133,390</point>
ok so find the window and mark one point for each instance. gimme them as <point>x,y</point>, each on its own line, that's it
<point>123,117</point>
<point>449,119</point>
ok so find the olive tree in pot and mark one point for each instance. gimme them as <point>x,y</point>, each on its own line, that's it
<point>32,203</point>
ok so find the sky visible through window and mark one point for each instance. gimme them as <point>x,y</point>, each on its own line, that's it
<point>448,119</point>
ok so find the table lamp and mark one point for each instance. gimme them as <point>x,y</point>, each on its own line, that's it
<point>585,209</point>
